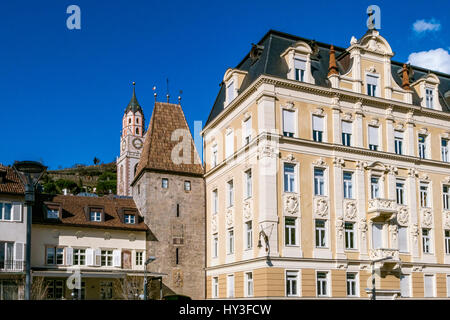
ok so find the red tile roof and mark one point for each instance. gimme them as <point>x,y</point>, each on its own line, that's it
<point>9,181</point>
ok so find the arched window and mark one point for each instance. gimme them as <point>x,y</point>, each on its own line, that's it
<point>129,120</point>
<point>137,120</point>
<point>137,130</point>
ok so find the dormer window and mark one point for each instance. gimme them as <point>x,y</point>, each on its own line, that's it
<point>300,67</point>
<point>372,84</point>
<point>52,210</point>
<point>52,213</point>
<point>429,98</point>
<point>130,219</point>
<point>96,216</point>
<point>230,91</point>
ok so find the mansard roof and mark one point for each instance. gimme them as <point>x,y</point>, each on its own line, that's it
<point>269,62</point>
<point>169,146</point>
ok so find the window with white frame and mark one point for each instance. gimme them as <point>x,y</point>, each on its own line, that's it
<point>374,187</point>
<point>215,201</point>
<point>424,199</point>
<point>215,287</point>
<point>187,185</point>
<point>130,219</point>
<point>446,197</point>
<point>6,211</point>
<point>300,67</point>
<point>215,245</point>
<point>55,289</point>
<point>249,284</point>
<point>292,283</point>
<point>248,183</point>
<point>321,233</point>
<point>79,257</point>
<point>426,240</point>
<point>230,193</point>
<point>230,242</point>
<point>229,144</point>
<point>289,178</point>
<point>346,133</point>
<point>318,128</point>
<point>348,185</point>
<point>405,285</point>
<point>54,255</point>
<point>349,235</point>
<point>352,284</point>
<point>51,213</point>
<point>139,258</point>
<point>230,286</point>
<point>372,84</point>
<point>377,235</point>
<point>403,239</point>
<point>322,284</point>
<point>214,155</point>
<point>400,191</point>
<point>247,131</point>
<point>429,98</point>
<point>429,285</point>
<point>230,91</point>
<point>106,258</point>
<point>290,231</point>
<point>422,146</point>
<point>248,235</point>
<point>444,150</point>
<point>96,216</point>
<point>288,123</point>
<point>319,181</point>
<point>373,138</point>
<point>398,142</point>
<point>7,255</point>
<point>447,241</point>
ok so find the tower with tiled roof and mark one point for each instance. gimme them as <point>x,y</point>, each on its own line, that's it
<point>131,143</point>
<point>169,192</point>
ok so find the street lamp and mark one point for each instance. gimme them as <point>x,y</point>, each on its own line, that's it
<point>29,173</point>
<point>373,275</point>
<point>149,260</point>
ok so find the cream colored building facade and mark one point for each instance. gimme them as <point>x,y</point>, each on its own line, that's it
<point>319,162</point>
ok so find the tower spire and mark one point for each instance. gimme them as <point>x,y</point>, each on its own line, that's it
<point>133,105</point>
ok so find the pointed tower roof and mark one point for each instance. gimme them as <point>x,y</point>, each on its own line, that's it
<point>167,140</point>
<point>332,67</point>
<point>133,105</point>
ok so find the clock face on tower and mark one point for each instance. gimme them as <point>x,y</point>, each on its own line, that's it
<point>137,143</point>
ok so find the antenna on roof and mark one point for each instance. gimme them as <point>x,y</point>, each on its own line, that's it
<point>168,96</point>
<point>179,97</point>
<point>154,92</point>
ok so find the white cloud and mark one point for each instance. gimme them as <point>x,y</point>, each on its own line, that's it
<point>437,59</point>
<point>423,25</point>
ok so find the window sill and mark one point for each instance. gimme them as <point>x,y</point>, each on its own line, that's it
<point>292,245</point>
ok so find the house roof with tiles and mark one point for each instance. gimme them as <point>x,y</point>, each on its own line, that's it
<point>10,182</point>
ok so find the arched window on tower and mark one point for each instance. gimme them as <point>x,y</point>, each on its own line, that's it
<point>137,120</point>
<point>137,130</point>
<point>129,120</point>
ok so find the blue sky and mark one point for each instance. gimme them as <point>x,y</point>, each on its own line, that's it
<point>63,92</point>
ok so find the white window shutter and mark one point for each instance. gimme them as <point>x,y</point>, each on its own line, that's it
<point>89,257</point>
<point>288,121</point>
<point>117,258</point>
<point>377,233</point>
<point>17,211</point>
<point>69,256</point>
<point>300,64</point>
<point>347,127</point>
<point>97,257</point>
<point>19,251</point>
<point>318,123</point>
<point>429,288</point>
<point>373,135</point>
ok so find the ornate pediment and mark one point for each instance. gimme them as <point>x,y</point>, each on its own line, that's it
<point>373,42</point>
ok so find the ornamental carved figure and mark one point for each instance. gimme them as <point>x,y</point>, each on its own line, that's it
<point>447,219</point>
<point>363,227</point>
<point>340,227</point>
<point>427,218</point>
<point>229,217</point>
<point>178,278</point>
<point>350,210</point>
<point>291,204</point>
<point>247,209</point>
<point>393,229</point>
<point>403,216</point>
<point>214,223</point>
<point>321,207</point>
<point>415,232</point>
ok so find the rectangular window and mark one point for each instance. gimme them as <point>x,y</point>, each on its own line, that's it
<point>106,290</point>
<point>400,191</point>
<point>318,128</point>
<point>290,231</point>
<point>79,257</point>
<point>426,240</point>
<point>429,285</point>
<point>52,213</point>
<point>247,131</point>
<point>289,177</point>
<point>447,241</point>
<point>215,202</point>
<point>444,150</point>
<point>130,219</point>
<point>373,138</point>
<point>214,156</point>
<point>319,182</point>
<point>230,193</point>
<point>139,258</point>
<point>424,201</point>
<point>230,247</point>
<point>7,211</point>
<point>248,183</point>
<point>288,123</point>
<point>107,258</point>
<point>300,67</point>
<point>55,255</point>
<point>7,255</point>
<point>403,239</point>
<point>322,284</point>
<point>248,235</point>
<point>348,185</point>
<point>352,285</point>
<point>187,186</point>
<point>230,286</point>
<point>349,235</point>
<point>229,144</point>
<point>321,237</point>
<point>374,187</point>
<point>248,284</point>
<point>446,197</point>
<point>429,98</point>
<point>377,236</point>
<point>291,283</point>
<point>405,285</point>
<point>448,285</point>
<point>230,91</point>
<point>96,216</point>
<point>164,183</point>
<point>215,245</point>
<point>372,83</point>
<point>398,142</point>
<point>422,146</point>
<point>55,289</point>
<point>346,133</point>
<point>215,287</point>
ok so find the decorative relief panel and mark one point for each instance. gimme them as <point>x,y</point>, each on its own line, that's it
<point>393,230</point>
<point>363,228</point>
<point>291,204</point>
<point>247,209</point>
<point>320,163</point>
<point>340,227</point>
<point>415,232</point>
<point>350,210</point>
<point>214,223</point>
<point>229,217</point>
<point>403,216</point>
<point>427,217</point>
<point>321,207</point>
<point>447,219</point>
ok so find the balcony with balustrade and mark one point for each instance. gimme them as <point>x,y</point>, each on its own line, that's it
<point>12,266</point>
<point>382,209</point>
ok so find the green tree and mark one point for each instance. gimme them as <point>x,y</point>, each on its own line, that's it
<point>107,183</point>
